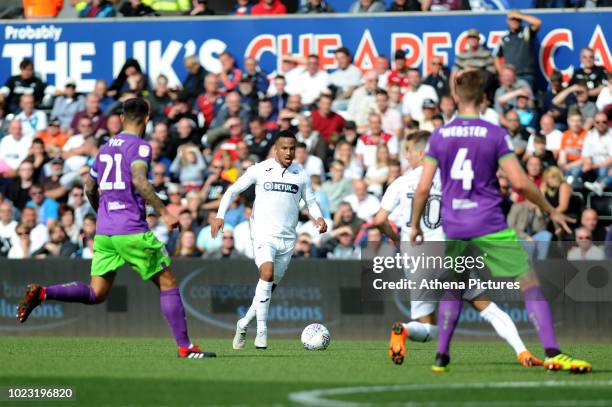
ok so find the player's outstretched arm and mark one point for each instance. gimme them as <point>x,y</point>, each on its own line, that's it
<point>145,189</point>
<point>420,198</point>
<point>313,207</point>
<point>246,180</point>
<point>381,221</point>
<point>524,186</point>
<point>93,194</point>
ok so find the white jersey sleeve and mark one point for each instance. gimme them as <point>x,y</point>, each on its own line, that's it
<point>242,183</point>
<point>391,198</point>
<point>309,197</point>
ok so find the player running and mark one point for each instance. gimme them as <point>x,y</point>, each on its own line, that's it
<point>422,328</point>
<point>122,235</point>
<point>469,152</point>
<point>280,184</point>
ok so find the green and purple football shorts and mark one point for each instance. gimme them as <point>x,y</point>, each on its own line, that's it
<point>502,252</point>
<point>143,251</point>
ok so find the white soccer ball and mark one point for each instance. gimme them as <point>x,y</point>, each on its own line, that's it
<point>316,337</point>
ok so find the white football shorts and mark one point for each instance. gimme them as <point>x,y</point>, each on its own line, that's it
<point>276,250</point>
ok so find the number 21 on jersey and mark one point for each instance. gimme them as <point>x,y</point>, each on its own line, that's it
<point>111,161</point>
<point>462,169</point>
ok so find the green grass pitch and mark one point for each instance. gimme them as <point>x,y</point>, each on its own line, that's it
<point>146,372</point>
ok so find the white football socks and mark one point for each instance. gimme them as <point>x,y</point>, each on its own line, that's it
<point>263,292</point>
<point>248,317</point>
<point>420,332</point>
<point>504,326</point>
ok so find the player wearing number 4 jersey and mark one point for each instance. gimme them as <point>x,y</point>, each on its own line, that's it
<point>122,234</point>
<point>468,151</point>
<point>423,328</point>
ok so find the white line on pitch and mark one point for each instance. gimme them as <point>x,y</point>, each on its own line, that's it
<point>317,397</point>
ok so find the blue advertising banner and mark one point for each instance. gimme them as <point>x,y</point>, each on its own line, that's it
<point>85,51</point>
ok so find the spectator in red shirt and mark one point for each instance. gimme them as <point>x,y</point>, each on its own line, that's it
<point>211,100</point>
<point>230,74</point>
<point>534,173</point>
<point>326,121</point>
<point>268,7</point>
<point>399,76</point>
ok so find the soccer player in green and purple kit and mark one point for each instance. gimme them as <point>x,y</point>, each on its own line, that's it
<point>118,190</point>
<point>469,151</point>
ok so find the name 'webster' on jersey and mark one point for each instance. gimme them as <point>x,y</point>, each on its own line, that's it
<point>400,195</point>
<point>278,192</point>
<point>122,209</point>
<point>467,151</point>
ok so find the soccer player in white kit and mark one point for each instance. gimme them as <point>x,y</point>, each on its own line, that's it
<point>422,328</point>
<point>280,185</point>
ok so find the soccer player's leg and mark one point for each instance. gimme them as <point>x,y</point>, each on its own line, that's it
<point>104,264</point>
<point>149,258</point>
<point>270,276</point>
<point>505,328</point>
<point>421,329</point>
<point>506,257</point>
<point>449,310</point>
<point>265,253</point>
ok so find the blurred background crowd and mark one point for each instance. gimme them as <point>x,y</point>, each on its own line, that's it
<point>140,8</point>
<point>351,127</point>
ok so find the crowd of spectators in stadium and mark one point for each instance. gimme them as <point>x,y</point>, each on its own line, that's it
<point>142,8</point>
<point>351,127</point>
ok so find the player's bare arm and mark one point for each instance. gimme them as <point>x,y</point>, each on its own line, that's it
<point>145,189</point>
<point>530,191</point>
<point>93,194</point>
<point>420,199</point>
<point>216,226</point>
<point>381,221</point>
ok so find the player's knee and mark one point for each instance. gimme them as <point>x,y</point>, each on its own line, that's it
<point>266,272</point>
<point>528,280</point>
<point>99,296</point>
<point>167,280</point>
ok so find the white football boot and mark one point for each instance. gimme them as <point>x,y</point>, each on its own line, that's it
<point>261,340</point>
<point>240,337</point>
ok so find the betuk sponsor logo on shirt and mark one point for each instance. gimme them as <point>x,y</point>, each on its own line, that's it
<point>281,187</point>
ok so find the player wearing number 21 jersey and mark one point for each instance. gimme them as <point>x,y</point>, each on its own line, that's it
<point>118,190</point>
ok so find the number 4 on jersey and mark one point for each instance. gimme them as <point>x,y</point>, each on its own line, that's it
<point>462,169</point>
